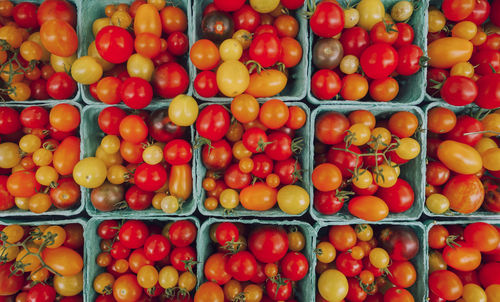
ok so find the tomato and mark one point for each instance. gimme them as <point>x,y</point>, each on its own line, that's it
<point>355,293</point>
<point>126,288</point>
<point>457,10</point>
<point>150,177</point>
<point>409,59</point>
<point>66,194</point>
<point>384,32</point>
<point>459,157</point>
<point>265,49</point>
<point>369,208</point>
<point>66,155</point>
<point>59,38</point>
<point>138,199</point>
<point>63,260</point>
<point>293,199</point>
<point>205,84</point>
<point>345,160</point>
<point>399,198</point>
<point>109,120</point>
<point>60,86</point>
<point>267,83</point>
<point>69,285</point>
<point>333,285</point>
<point>325,84</point>
<point>327,20</point>
<point>41,292</point>
<point>6,199</point>
<point>326,177</point>
<point>268,243</point>
<point>133,234</point>
<point>405,35</point>
<point>487,275</point>
<point>274,114</point>
<point>156,247</point>
<point>181,181</point>
<point>488,91</point>
<point>246,18</point>
<point>258,197</point>
<point>56,9</point>
<point>215,269</point>
<point>213,122</point>
<point>10,284</point>
<point>22,184</point>
<point>403,274</point>
<point>398,294</point>
<point>446,52</point>
<point>291,54</point>
<point>400,241</point>
<point>242,266</point>
<point>232,78</point>
<point>331,128</point>
<point>462,256</point>
<point>114,44</point>
<point>379,60</point>
<point>204,54</point>
<point>354,41</point>
<point>209,292</point>
<point>136,93</point>
<point>347,265</point>
<point>459,91</point>
<point>182,233</point>
<point>10,120</point>
<point>170,80</point>
<point>343,237</point>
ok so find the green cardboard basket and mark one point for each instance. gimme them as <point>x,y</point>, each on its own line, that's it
<point>94,9</point>
<point>80,221</point>
<point>479,214</point>
<point>92,135</point>
<point>430,223</point>
<point>298,82</point>
<point>304,290</point>
<point>239,211</point>
<point>411,88</point>
<point>421,260</point>
<point>413,171</point>
<point>92,245</point>
<point>77,209</point>
<point>76,97</point>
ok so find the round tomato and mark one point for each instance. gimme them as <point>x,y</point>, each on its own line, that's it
<point>126,288</point>
<point>59,38</point>
<point>331,128</point>
<point>325,84</point>
<point>268,244</point>
<point>213,122</point>
<point>327,20</point>
<point>399,198</point>
<point>379,61</point>
<point>114,44</point>
<point>459,200</point>
<point>170,80</point>
<point>150,177</point>
<point>133,234</point>
<point>136,93</point>
<point>182,233</point>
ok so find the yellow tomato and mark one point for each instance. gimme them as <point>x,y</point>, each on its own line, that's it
<point>232,78</point>
<point>90,172</point>
<point>293,199</point>
<point>100,24</point>
<point>264,6</point>
<point>464,29</point>
<point>92,51</point>
<point>491,159</point>
<point>183,110</point>
<point>493,292</point>
<point>484,144</point>
<point>147,20</point>
<point>474,293</point>
<point>363,179</point>
<point>437,203</point>
<point>62,64</point>
<point>230,49</point>
<point>491,123</point>
<point>436,20</point>
<point>68,285</point>
<point>140,66</point>
<point>408,148</point>
<point>370,13</point>
<point>86,70</point>
<point>351,17</point>
<point>360,134</point>
<point>462,69</point>
<point>229,199</point>
<point>385,176</point>
<point>9,155</point>
<point>332,285</point>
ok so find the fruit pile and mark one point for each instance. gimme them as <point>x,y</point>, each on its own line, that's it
<point>462,150</point>
<point>39,149</point>
<point>253,262</point>
<point>132,68</point>
<point>36,43</point>
<point>361,52</point>
<point>253,161</point>
<point>252,46</point>
<point>359,159</point>
<point>464,53</point>
<point>145,260</point>
<point>143,159</point>
<point>360,263</point>
<point>463,262</point>
<point>41,262</point>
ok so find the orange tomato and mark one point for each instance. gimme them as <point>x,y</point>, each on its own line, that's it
<point>147,20</point>
<point>258,197</point>
<point>64,117</point>
<point>180,181</point>
<point>267,83</point>
<point>369,208</point>
<point>274,114</point>
<point>63,260</point>
<point>59,38</point>
<point>67,155</point>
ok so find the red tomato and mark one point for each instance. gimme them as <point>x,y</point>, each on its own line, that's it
<point>41,293</point>
<point>409,59</point>
<point>488,274</point>
<point>156,247</point>
<point>24,15</point>
<point>6,199</point>
<point>170,80</point>
<point>226,232</point>
<point>331,128</point>
<point>136,93</point>
<point>281,146</point>
<point>138,199</point>
<point>462,256</point>
<point>457,10</point>
<point>345,160</point>
<point>228,5</point>
<point>480,12</point>
<point>133,234</point>
<point>327,20</point>
<point>205,84</point>
<point>109,120</point>
<point>294,266</point>
<point>445,284</point>
<point>486,61</point>
<point>213,122</point>
<point>465,193</point>
<point>9,120</point>
<point>246,18</point>
<point>150,177</point>
<point>399,198</point>
<point>379,60</point>
<point>279,292</point>
<point>384,32</point>
<point>488,96</point>
<point>114,44</point>
<point>60,86</point>
<point>56,9</point>
<point>325,84</point>
<point>482,236</point>
<point>459,91</point>
<point>178,43</point>
<point>182,233</point>
<point>288,170</point>
<point>255,140</point>
<point>347,265</point>
<point>354,41</point>
<point>437,174</point>
<point>327,203</point>
<point>268,244</point>
<point>235,179</point>
<point>405,35</point>
<point>181,258</point>
<point>178,152</point>
<point>10,284</point>
<point>242,266</point>
<point>108,229</point>
<point>217,155</point>
<point>265,49</point>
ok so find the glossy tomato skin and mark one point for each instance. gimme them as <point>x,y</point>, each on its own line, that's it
<point>489,91</point>
<point>283,292</point>
<point>265,49</point>
<point>41,293</point>
<point>325,84</point>
<point>170,80</point>
<point>60,86</point>
<point>150,177</point>
<point>6,199</point>
<point>294,266</point>
<point>156,247</point>
<point>355,293</point>
<point>400,242</point>
<point>480,13</point>
<point>246,18</point>
<point>136,93</point>
<point>466,124</point>
<point>487,61</point>
<point>235,179</point>
<point>162,129</point>
<point>133,234</point>
<point>9,120</point>
<point>114,44</point>
<point>488,274</point>
<point>56,9</point>
<point>182,233</point>
<point>288,170</point>
<point>205,84</point>
<point>399,198</point>
<point>379,61</point>
<point>465,193</point>
<point>138,199</point>
<point>109,120</point>
<point>354,41</point>
<point>327,20</point>
<point>405,35</point>
<point>280,147</point>
<point>445,284</point>
<point>218,157</point>
<point>347,265</point>
<point>331,128</point>
<point>25,15</point>
<point>459,91</point>
<point>213,122</point>
<point>344,160</point>
<point>409,59</point>
<point>242,266</point>
<point>10,284</point>
<point>268,244</point>
<point>463,257</point>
